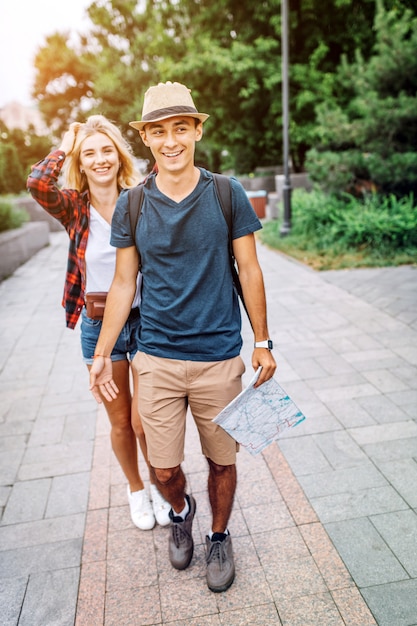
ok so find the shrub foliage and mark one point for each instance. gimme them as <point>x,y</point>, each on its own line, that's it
<point>378,230</point>
<point>367,133</point>
<point>11,217</point>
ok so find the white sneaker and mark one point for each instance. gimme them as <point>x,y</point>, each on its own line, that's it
<point>161,507</point>
<point>141,509</point>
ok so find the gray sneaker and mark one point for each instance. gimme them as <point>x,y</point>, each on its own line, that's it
<point>220,563</point>
<point>181,544</point>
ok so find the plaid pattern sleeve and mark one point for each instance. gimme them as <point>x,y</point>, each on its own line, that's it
<point>71,209</point>
<point>42,184</point>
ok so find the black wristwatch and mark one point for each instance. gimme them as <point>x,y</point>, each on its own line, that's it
<point>264,344</point>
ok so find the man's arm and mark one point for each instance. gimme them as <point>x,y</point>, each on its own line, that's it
<point>251,279</point>
<point>118,306</point>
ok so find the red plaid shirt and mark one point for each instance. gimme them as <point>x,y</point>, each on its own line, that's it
<point>72,209</point>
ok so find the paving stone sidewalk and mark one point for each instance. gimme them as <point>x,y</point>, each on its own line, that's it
<point>324,524</point>
<point>47,430</point>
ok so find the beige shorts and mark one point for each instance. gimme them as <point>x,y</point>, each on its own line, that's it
<point>167,387</point>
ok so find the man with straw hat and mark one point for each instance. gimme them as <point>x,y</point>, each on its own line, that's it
<point>190,330</point>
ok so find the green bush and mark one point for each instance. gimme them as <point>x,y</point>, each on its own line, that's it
<point>357,172</point>
<point>378,227</point>
<point>397,172</point>
<point>11,217</point>
<point>367,134</point>
<point>335,171</point>
<point>12,177</point>
<point>384,224</point>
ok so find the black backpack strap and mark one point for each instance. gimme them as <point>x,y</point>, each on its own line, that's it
<point>224,193</point>
<point>135,201</point>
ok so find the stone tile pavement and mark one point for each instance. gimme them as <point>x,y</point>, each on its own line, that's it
<point>324,524</point>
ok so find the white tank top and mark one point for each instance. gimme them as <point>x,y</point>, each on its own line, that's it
<point>100,257</point>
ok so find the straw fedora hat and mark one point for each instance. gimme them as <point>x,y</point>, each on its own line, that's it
<point>167,100</point>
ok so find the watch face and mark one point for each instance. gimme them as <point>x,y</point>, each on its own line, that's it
<point>270,344</point>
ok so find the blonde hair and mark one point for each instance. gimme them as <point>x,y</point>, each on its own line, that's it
<point>127,177</point>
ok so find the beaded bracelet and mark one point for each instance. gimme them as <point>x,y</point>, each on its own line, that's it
<point>96,356</point>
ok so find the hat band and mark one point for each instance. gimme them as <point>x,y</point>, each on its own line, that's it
<point>168,112</point>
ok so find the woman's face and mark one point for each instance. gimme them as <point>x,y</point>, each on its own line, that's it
<point>99,159</point>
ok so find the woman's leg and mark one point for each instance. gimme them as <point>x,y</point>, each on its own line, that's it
<point>123,437</point>
<point>161,507</point>
<point>136,421</point>
<point>124,444</point>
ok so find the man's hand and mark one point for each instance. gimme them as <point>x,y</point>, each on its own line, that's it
<point>262,357</point>
<point>101,379</point>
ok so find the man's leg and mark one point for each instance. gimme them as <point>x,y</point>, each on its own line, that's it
<point>221,491</point>
<point>215,385</point>
<point>171,483</point>
<point>162,407</point>
<point>219,550</point>
<point>221,382</point>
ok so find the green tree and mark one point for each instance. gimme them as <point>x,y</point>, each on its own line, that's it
<point>368,131</point>
<point>227,52</point>
<point>27,147</point>
<point>64,80</point>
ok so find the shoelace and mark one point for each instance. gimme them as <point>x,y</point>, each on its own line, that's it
<point>179,533</point>
<point>216,552</point>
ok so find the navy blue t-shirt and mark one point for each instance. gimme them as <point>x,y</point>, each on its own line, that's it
<point>189,307</point>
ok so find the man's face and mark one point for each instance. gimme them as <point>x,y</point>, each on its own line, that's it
<point>172,141</point>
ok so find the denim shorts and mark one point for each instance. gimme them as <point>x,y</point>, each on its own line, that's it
<point>126,344</point>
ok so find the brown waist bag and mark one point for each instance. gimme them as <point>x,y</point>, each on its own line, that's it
<point>95,302</point>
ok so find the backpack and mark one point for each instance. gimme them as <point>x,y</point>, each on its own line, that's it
<point>224,194</point>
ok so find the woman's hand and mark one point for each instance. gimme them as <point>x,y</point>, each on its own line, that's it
<point>68,139</point>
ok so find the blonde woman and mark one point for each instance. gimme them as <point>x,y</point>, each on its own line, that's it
<point>98,165</point>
